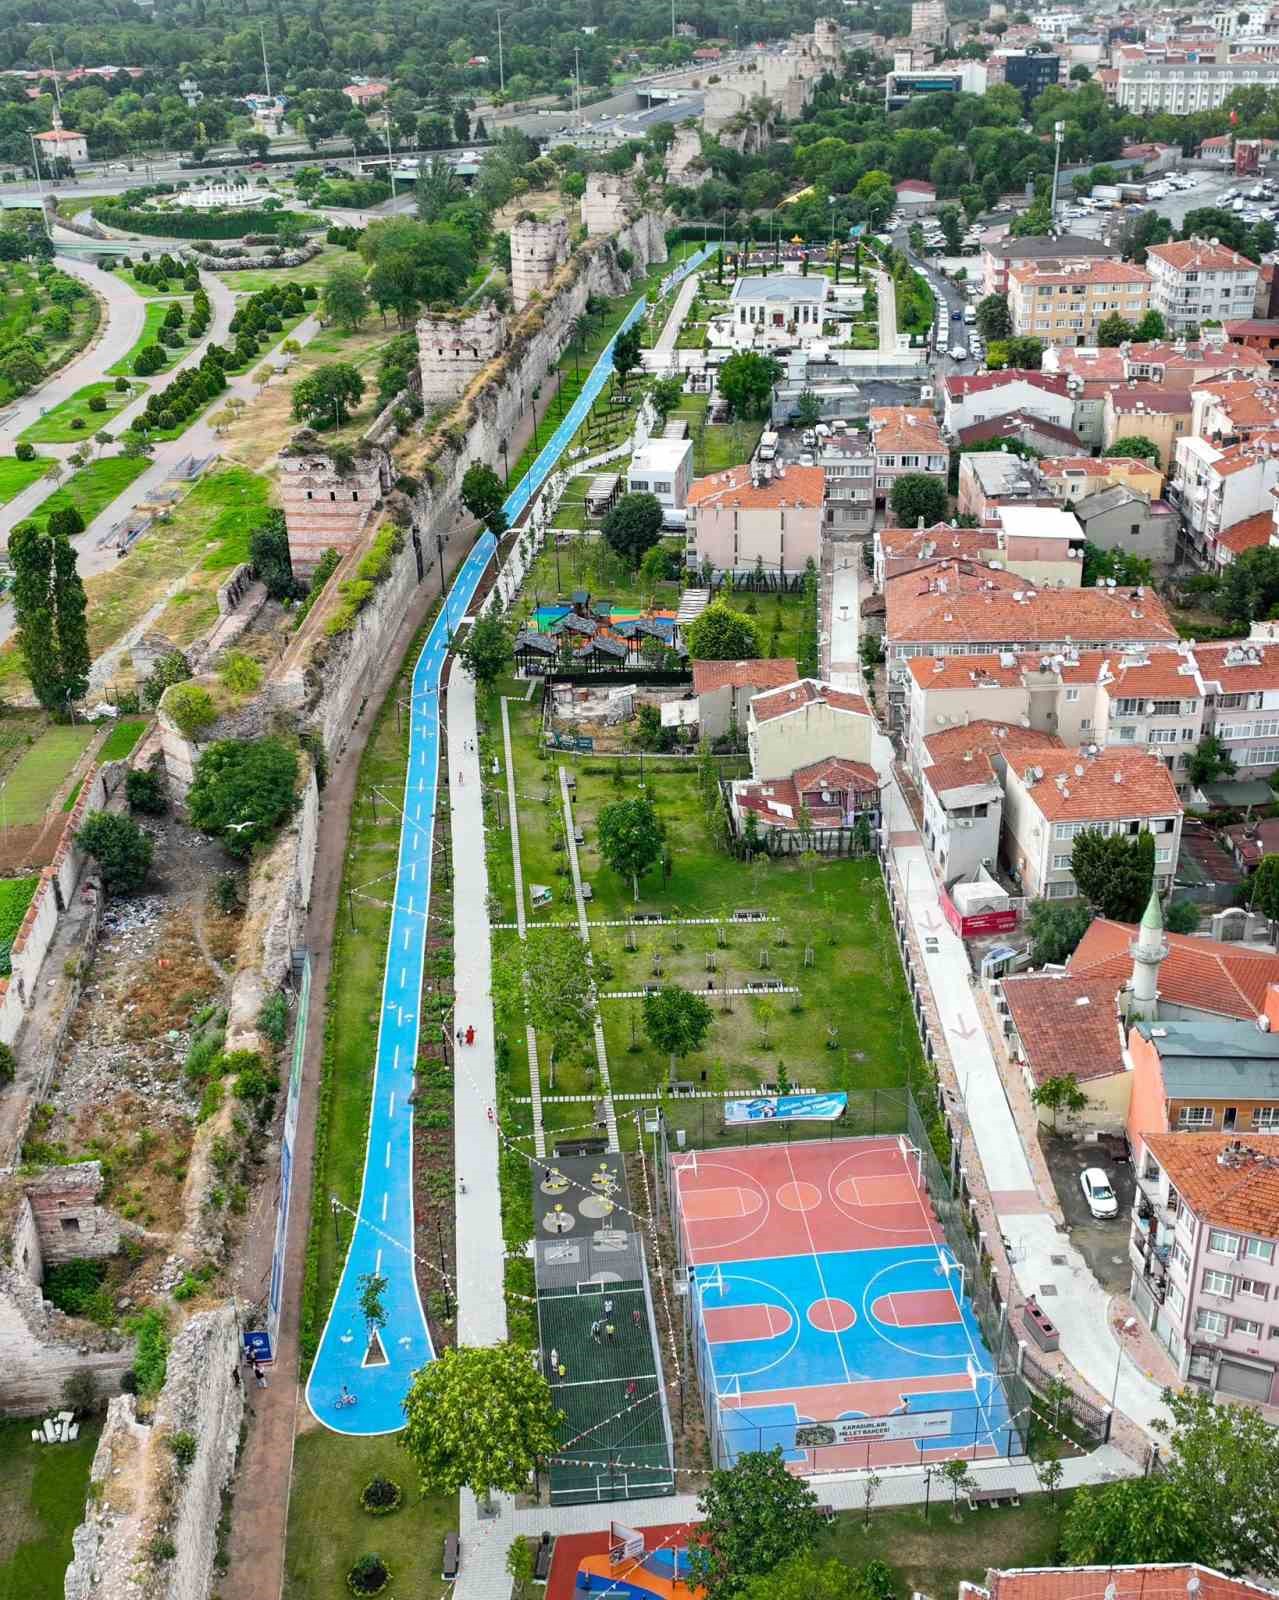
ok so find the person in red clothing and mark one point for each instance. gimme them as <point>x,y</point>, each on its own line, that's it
<point>470,1035</point>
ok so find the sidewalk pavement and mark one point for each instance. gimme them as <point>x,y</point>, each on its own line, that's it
<point>669,336</point>
<point>1043,1260</point>
<point>481,1261</point>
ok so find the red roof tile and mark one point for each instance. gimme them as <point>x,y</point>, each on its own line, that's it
<point>1250,534</point>
<point>1201,255</point>
<point>1205,974</point>
<point>990,738</point>
<point>1089,792</point>
<point>801,486</point>
<point>805,692</point>
<point>1151,1582</point>
<point>1066,1025</point>
<point>754,674</point>
<point>1243,1193</point>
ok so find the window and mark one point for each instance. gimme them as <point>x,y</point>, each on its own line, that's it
<point>1180,1257</point>
<point>1128,707</point>
<point>1254,1288</point>
<point>1176,1299</point>
<point>1223,1244</point>
<point>1163,736</point>
<point>1210,1321</point>
<point>1065,890</point>
<point>1219,1283</point>
<point>1263,755</point>
<point>1167,708</point>
<point>1062,863</point>
<point>1244,1325</point>
<point>1071,696</point>
<point>1187,736</point>
<point>1258,1250</point>
<point>1195,1117</point>
<point>69,1224</point>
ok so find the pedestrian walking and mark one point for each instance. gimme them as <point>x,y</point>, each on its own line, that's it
<point>470,1034</point>
<point>632,1389</point>
<point>259,1374</point>
<point>563,1371</point>
<point>595,1331</point>
<point>608,1308</point>
<point>637,1321</point>
<point>459,1035</point>
<point>460,778</point>
<point>555,1359</point>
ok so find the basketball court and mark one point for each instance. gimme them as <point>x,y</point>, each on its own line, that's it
<point>830,1315</point>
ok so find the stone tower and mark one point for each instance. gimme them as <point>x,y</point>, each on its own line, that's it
<point>1147,950</point>
<point>538,251</point>
<point>826,39</point>
<point>329,504</point>
<point>454,350</point>
<point>609,203</point>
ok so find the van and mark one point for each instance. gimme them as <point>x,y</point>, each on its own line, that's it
<point>768,446</point>
<point>822,431</point>
<point>970,315</point>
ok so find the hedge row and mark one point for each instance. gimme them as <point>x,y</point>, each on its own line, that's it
<point>181,225</point>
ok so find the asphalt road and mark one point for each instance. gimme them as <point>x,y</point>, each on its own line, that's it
<point>1207,191</point>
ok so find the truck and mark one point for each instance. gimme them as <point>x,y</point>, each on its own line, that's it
<point>768,446</point>
<point>970,315</point>
<point>1106,191</point>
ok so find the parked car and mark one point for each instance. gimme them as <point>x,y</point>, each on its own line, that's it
<point>1098,1192</point>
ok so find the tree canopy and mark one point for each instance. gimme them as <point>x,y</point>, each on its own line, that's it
<point>631,838</point>
<point>1114,872</point>
<point>756,1515</point>
<point>243,790</point>
<point>633,527</point>
<point>917,494</point>
<point>484,496</point>
<point>325,397</point>
<point>677,1022</point>
<point>549,980</point>
<point>746,382</point>
<point>721,634</point>
<point>121,848</point>
<point>49,608</point>
<point>1055,928</point>
<point>485,651</point>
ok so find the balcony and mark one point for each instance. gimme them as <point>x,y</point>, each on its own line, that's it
<point>1149,1258</point>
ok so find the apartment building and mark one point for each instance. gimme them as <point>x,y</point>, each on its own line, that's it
<point>848,460</point>
<point>1002,254</point>
<point>1240,406</point>
<point>1241,685</point>
<point>969,398</point>
<point>898,550</point>
<point>1205,1232</point>
<point>1113,1583</point>
<point>1190,361</point>
<point>1064,302</point>
<point>1049,801</point>
<point>1157,702</point>
<point>1216,486</point>
<point>724,690</point>
<point>1075,478</point>
<point>1146,411</point>
<point>1194,281</point>
<point>744,516</point>
<point>905,439</point>
<point>989,479</point>
<point>963,805</point>
<point>803,723</point>
<point>1183,86</point>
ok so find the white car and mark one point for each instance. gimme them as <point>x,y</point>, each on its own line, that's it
<point>1101,1198</point>
<point>958,353</point>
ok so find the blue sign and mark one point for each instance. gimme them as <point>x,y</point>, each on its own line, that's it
<point>257,1346</point>
<point>787,1108</point>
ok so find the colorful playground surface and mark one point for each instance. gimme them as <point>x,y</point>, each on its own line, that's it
<point>831,1317</point>
<point>545,618</point>
<point>623,1564</point>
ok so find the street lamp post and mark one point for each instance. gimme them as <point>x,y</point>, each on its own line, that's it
<point>390,159</point>
<point>1059,132</point>
<point>501,67</point>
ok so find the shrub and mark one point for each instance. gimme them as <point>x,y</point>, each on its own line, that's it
<point>121,849</point>
<point>256,1083</point>
<point>183,1446</point>
<point>273,1019</point>
<point>121,385</point>
<point>151,1352</point>
<point>369,1575</point>
<point>241,673</point>
<point>167,671</point>
<point>190,707</point>
<point>380,1496</point>
<point>80,1393</point>
<point>72,1285</point>
<point>97,402</point>
<point>77,423</point>
<point>144,790</point>
<point>8,1063</point>
<point>24,451</point>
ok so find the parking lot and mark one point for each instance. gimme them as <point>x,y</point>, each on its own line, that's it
<point>1103,1245</point>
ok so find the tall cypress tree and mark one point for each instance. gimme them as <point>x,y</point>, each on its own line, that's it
<point>49,603</point>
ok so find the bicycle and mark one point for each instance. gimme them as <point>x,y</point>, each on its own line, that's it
<point>346,1398</point>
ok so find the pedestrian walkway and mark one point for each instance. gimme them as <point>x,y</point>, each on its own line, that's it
<point>669,336</point>
<point>521,926</point>
<point>584,929</point>
<point>1043,1260</point>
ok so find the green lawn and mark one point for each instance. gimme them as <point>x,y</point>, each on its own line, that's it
<point>15,896</point>
<point>251,280</point>
<point>328,1529</point>
<point>36,779</point>
<point>93,488</point>
<point>122,738</point>
<point>42,1491</point>
<point>16,475</point>
<point>146,290</point>
<point>58,426</point>
<point>933,1557</point>
<point>155,315</point>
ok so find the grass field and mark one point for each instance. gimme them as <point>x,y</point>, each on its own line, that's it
<point>16,475</point>
<point>58,426</point>
<point>120,741</point>
<point>146,290</point>
<point>15,896</point>
<point>716,445</point>
<point>328,1474</point>
<point>31,786</point>
<point>251,280</point>
<point>93,488</point>
<point>42,1491</point>
<point>155,315</point>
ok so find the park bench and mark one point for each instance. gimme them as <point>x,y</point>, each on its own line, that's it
<point>452,1557</point>
<point>542,1565</point>
<point>748,914</point>
<point>587,892</point>
<point>683,1086</point>
<point>992,1497</point>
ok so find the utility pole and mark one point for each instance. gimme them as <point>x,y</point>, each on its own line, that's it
<point>53,72</point>
<point>501,68</point>
<point>266,70</point>
<point>390,160</point>
<point>577,87</point>
<point>1059,130</point>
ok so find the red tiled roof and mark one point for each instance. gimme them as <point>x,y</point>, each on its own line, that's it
<point>1089,792</point>
<point>990,737</point>
<point>905,428</point>
<point>1201,255</point>
<point>1066,1025</point>
<point>963,672</point>
<point>1237,677</point>
<point>801,486</point>
<point>1159,676</point>
<point>1130,398</point>
<point>1205,974</point>
<point>834,772</point>
<point>965,383</point>
<point>1250,534</point>
<point>1155,1581</point>
<point>1243,1194</point>
<point>754,674</point>
<point>984,611</point>
<point>1090,271</point>
<point>915,186</point>
<point>805,692</point>
<point>1014,422</point>
<point>959,772</point>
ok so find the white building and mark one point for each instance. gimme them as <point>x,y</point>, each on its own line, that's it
<point>61,144</point>
<point>664,469</point>
<point>1182,87</point>
<point>786,309</point>
<point>1199,280</point>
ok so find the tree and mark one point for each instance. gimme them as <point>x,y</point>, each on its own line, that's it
<point>1132,444</point>
<point>438,186</point>
<point>959,1478</point>
<point>756,1514</point>
<point>677,1022</point>
<point>1264,896</point>
<point>626,353</point>
<point>1055,928</point>
<point>1061,1093</point>
<point>49,608</point>
<point>1134,1521</point>
<point>549,979</point>
<point>144,790</point>
<point>721,634</point>
<point>121,848</point>
<point>1113,330</point>
<point>808,412</point>
<point>479,1417</point>
<point>746,382</point>
<point>325,397</point>
<point>483,495</point>
<point>1049,1471</point>
<point>1249,586</point>
<point>1151,328</point>
<point>1182,916</point>
<point>633,527</point>
<point>807,1576</point>
<point>1210,761</point>
<point>243,790</point>
<point>952,226</point>
<point>345,299</point>
<point>1114,872</point>
<point>666,395</point>
<point>372,1304</point>
<point>485,652</point>
<point>269,553</point>
<point>65,524</point>
<point>916,495</point>
<point>631,838</point>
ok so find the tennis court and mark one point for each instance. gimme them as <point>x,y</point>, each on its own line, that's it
<point>830,1316</point>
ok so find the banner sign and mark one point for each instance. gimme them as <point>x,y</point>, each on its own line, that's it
<point>787,1108</point>
<point>855,1430</point>
<point>624,1543</point>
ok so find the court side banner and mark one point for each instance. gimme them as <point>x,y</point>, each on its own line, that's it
<point>787,1108</point>
<point>852,1430</point>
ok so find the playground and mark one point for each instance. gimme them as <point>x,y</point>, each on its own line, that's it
<point>830,1317</point>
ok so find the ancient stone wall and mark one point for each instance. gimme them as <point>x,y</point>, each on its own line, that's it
<point>327,507</point>
<point>147,1503</point>
<point>538,251</point>
<point>63,1219</point>
<point>454,350</point>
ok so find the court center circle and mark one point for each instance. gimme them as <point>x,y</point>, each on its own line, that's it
<point>799,1196</point>
<point>831,1315</point>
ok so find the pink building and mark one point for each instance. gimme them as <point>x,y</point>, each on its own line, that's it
<point>1207,1220</point>
<point>742,517</point>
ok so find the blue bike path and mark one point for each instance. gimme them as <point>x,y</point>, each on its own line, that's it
<point>378,1374</point>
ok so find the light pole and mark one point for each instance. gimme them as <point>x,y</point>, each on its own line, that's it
<point>390,160</point>
<point>501,66</point>
<point>1059,132</point>
<point>577,86</point>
